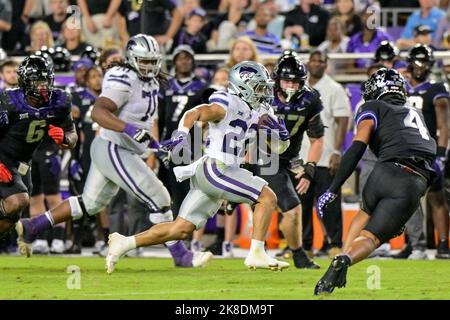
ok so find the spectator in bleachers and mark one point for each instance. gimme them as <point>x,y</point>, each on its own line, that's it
<point>109,57</point>
<point>443,31</point>
<point>8,72</point>
<point>58,16</point>
<point>162,20</point>
<point>423,35</point>
<point>399,3</point>
<point>428,14</point>
<point>276,23</point>
<point>210,5</point>
<point>5,17</point>
<point>133,16</point>
<point>345,12</point>
<point>80,69</point>
<point>250,5</point>
<point>187,6</point>
<point>228,26</point>
<point>102,24</point>
<point>242,49</point>
<point>16,39</point>
<point>336,40</point>
<point>265,41</point>
<point>40,35</point>
<point>192,34</point>
<point>72,39</point>
<point>270,64</point>
<point>368,39</point>
<point>308,19</point>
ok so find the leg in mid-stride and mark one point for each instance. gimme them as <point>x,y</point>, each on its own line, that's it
<point>106,176</point>
<point>211,184</point>
<point>387,207</point>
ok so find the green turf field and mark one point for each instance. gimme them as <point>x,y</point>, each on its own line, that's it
<point>145,278</point>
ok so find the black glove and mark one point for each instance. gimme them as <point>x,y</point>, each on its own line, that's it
<point>309,171</point>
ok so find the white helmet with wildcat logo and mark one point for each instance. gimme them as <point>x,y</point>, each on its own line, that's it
<point>250,81</point>
<point>143,54</point>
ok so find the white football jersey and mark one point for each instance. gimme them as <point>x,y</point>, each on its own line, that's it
<point>137,102</point>
<point>226,138</point>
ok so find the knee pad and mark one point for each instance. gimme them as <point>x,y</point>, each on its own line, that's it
<point>161,217</point>
<point>162,199</point>
<point>80,206</point>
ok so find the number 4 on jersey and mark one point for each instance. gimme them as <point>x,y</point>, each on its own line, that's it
<point>413,120</point>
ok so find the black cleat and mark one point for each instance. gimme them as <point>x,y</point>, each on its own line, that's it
<point>404,254</point>
<point>74,249</point>
<point>301,260</point>
<point>336,276</point>
<point>215,248</point>
<point>286,253</point>
<point>443,251</point>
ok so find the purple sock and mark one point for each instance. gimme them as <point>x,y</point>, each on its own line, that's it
<point>181,255</point>
<point>178,249</point>
<point>39,224</point>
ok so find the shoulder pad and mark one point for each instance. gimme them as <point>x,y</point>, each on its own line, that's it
<point>122,73</point>
<point>61,99</point>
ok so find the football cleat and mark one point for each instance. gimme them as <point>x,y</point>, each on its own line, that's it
<point>336,276</point>
<point>201,259</point>
<point>301,260</point>
<point>40,246</point>
<point>118,246</point>
<point>443,251</point>
<point>57,246</point>
<point>263,261</point>
<point>24,246</point>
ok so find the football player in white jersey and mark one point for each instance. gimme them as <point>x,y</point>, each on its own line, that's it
<point>233,117</point>
<point>125,111</point>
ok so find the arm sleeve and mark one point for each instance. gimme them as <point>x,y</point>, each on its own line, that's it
<point>66,120</point>
<point>315,125</point>
<point>348,164</point>
<point>367,111</point>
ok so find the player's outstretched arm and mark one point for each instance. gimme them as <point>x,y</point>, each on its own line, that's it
<point>353,154</point>
<point>103,114</point>
<point>348,164</point>
<point>204,112</point>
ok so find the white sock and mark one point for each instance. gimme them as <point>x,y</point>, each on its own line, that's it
<point>131,242</point>
<point>257,246</point>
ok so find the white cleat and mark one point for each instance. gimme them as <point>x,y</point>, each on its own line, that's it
<point>263,261</point>
<point>201,259</point>
<point>57,246</point>
<point>24,247</point>
<point>418,255</point>
<point>40,246</point>
<point>118,246</point>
